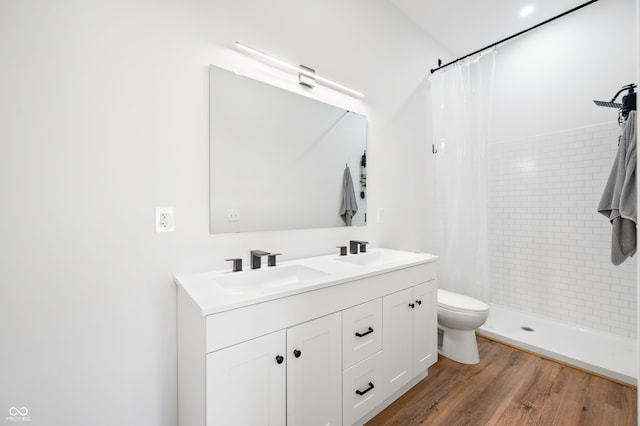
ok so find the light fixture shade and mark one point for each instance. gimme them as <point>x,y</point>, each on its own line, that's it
<point>306,80</point>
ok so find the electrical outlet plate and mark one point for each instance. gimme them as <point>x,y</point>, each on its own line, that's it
<point>164,219</point>
<point>233,215</point>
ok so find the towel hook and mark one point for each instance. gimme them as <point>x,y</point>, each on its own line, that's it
<point>433,148</point>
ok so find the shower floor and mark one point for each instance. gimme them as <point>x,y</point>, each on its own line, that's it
<point>602,353</point>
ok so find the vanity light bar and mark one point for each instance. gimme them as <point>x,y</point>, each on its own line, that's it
<point>300,70</point>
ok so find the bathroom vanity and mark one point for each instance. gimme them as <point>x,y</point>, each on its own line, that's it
<point>328,340</point>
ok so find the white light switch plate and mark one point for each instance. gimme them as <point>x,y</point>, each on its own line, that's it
<point>164,219</point>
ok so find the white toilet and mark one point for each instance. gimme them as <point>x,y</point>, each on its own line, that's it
<point>458,318</point>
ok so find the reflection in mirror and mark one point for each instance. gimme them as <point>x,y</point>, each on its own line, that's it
<point>278,159</point>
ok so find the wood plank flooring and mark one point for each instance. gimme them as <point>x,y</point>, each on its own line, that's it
<point>511,388</point>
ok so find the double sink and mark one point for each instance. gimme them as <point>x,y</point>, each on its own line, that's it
<point>222,290</point>
<point>310,270</point>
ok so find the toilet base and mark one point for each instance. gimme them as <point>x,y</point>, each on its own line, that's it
<point>459,345</point>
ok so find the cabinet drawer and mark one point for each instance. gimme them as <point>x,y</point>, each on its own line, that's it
<point>362,389</point>
<point>361,332</point>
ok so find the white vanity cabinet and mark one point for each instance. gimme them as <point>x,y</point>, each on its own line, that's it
<point>361,332</point>
<point>410,333</point>
<point>425,326</point>
<point>246,383</point>
<point>291,376</point>
<point>333,353</point>
<point>314,379</point>
<point>362,382</point>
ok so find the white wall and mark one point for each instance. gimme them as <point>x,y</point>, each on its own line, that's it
<point>104,116</point>
<point>549,248</point>
<point>546,80</point>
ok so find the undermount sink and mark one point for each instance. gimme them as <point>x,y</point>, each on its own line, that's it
<point>375,258</point>
<point>262,280</point>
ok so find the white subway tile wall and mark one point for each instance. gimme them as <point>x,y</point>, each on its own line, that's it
<point>549,249</point>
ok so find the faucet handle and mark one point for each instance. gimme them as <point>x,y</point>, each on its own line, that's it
<point>237,263</point>
<point>355,244</point>
<point>271,259</point>
<point>343,250</point>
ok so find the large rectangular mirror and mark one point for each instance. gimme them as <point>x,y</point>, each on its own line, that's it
<point>278,159</point>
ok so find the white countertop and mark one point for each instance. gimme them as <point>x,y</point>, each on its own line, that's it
<point>215,291</point>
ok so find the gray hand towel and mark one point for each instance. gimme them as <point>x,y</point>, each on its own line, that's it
<point>349,203</point>
<point>619,200</point>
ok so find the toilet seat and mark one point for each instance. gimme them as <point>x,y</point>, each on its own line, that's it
<point>460,303</point>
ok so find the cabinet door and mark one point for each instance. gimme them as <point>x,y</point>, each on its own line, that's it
<point>425,328</point>
<point>397,339</point>
<point>314,372</point>
<point>246,384</point>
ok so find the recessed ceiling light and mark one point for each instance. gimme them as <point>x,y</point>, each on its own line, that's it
<point>526,11</point>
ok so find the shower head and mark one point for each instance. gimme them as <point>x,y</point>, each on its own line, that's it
<point>607,104</point>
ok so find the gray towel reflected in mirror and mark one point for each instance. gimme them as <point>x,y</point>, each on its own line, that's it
<point>349,204</point>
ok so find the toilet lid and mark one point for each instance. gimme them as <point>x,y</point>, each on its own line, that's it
<point>460,303</point>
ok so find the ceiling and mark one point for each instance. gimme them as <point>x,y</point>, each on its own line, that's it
<point>464,26</point>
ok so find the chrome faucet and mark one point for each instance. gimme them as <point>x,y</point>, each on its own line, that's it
<point>256,258</point>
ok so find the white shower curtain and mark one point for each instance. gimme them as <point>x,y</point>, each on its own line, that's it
<point>461,105</point>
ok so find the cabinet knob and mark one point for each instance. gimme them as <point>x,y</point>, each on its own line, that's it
<point>412,305</point>
<point>419,302</point>
<point>297,353</point>
<point>279,359</point>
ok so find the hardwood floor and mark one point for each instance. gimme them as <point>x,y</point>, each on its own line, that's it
<point>512,388</point>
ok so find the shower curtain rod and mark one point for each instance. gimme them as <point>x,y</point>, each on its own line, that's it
<point>511,37</point>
